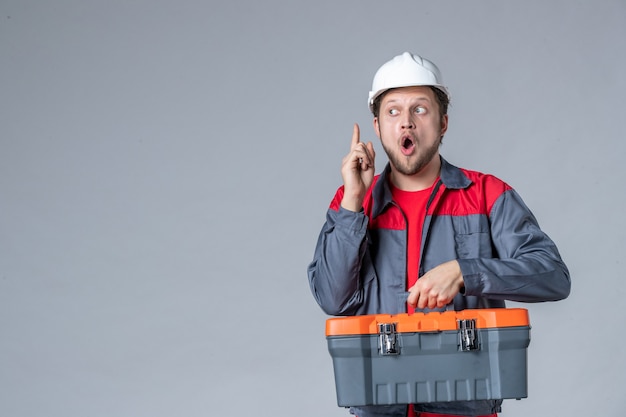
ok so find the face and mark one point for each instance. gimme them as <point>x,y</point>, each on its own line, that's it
<point>410,128</point>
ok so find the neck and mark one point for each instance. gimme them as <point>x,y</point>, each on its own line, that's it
<point>420,181</point>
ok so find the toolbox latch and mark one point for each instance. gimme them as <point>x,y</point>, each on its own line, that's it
<point>388,339</point>
<point>468,337</point>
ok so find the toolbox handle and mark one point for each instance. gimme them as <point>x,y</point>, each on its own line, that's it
<point>427,322</point>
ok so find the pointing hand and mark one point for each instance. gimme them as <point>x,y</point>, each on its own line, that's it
<point>357,171</point>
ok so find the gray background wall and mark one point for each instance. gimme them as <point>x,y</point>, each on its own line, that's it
<point>165,167</point>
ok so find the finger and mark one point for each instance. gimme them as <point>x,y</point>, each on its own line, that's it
<point>413,296</point>
<point>426,300</point>
<point>422,302</point>
<point>356,135</point>
<point>411,300</point>
<point>370,150</point>
<point>433,302</point>
<point>371,155</point>
<point>363,155</point>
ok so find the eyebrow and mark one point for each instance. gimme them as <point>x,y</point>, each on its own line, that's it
<point>421,98</point>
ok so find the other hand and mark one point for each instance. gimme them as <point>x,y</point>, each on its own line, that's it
<point>438,287</point>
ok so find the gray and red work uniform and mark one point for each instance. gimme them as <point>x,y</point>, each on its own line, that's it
<point>360,261</point>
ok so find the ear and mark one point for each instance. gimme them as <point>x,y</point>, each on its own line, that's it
<point>377,127</point>
<point>444,125</point>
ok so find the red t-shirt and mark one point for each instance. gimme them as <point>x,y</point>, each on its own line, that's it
<point>413,205</point>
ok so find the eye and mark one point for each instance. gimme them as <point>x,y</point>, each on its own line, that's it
<point>420,110</point>
<point>393,112</point>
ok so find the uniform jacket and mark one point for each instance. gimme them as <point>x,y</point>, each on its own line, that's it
<point>359,265</point>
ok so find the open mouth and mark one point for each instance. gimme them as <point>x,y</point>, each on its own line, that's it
<point>408,145</point>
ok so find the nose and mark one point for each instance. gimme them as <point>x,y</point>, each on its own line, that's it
<point>407,120</point>
<point>407,123</point>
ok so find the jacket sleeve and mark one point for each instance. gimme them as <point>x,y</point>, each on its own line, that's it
<point>528,268</point>
<point>334,273</point>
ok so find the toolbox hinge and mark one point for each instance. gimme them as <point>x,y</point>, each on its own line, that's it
<point>468,336</point>
<point>388,339</point>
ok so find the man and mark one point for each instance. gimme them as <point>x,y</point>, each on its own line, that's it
<point>425,235</point>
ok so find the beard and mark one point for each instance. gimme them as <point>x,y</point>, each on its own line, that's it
<point>411,165</point>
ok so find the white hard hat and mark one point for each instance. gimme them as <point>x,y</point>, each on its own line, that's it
<point>406,70</point>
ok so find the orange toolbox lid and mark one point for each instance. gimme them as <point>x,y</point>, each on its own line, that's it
<point>427,322</point>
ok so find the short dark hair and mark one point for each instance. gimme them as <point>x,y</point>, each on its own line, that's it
<point>440,96</point>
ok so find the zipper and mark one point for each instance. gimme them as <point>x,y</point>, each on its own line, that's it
<point>426,227</point>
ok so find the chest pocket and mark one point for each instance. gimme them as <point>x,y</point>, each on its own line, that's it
<point>472,236</point>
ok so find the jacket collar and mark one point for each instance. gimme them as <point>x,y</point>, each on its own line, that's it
<point>450,175</point>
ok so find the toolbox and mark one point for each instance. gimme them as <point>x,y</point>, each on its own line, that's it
<point>477,354</point>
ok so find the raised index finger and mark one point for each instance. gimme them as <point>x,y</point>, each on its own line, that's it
<point>356,135</point>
